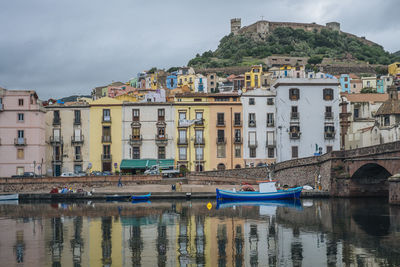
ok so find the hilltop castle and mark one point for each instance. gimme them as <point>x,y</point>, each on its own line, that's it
<point>261,29</point>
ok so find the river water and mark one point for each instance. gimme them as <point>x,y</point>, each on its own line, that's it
<point>315,232</point>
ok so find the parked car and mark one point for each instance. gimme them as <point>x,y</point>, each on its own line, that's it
<point>96,173</point>
<point>105,173</point>
<point>68,174</point>
<point>25,174</point>
<point>80,174</point>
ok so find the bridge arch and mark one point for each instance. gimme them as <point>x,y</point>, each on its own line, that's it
<point>370,180</point>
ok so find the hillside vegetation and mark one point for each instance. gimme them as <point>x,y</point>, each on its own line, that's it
<point>236,50</point>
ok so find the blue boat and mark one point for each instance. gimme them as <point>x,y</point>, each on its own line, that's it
<point>141,197</point>
<point>267,192</point>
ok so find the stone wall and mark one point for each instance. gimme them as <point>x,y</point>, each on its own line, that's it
<point>394,189</point>
<point>259,173</point>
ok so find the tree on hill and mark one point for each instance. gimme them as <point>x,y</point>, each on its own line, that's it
<point>233,49</point>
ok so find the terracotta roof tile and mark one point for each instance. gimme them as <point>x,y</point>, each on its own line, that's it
<point>366,97</point>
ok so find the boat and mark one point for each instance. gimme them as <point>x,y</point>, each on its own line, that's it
<point>267,191</point>
<point>141,197</point>
<point>9,197</point>
<point>117,197</point>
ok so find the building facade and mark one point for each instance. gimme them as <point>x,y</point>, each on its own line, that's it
<point>307,117</point>
<point>259,134</point>
<point>22,133</point>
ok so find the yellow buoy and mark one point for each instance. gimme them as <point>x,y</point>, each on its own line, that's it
<point>209,205</point>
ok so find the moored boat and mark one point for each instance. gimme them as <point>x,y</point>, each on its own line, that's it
<point>267,191</point>
<point>9,197</point>
<point>141,197</point>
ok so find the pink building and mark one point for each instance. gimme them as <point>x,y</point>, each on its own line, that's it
<point>22,133</point>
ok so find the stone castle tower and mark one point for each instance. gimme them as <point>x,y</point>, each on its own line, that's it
<point>335,26</point>
<point>236,24</point>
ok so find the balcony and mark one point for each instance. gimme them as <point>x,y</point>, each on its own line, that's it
<point>56,140</point>
<point>20,141</point>
<point>237,123</point>
<point>106,119</point>
<point>328,115</point>
<point>221,140</point>
<point>329,135</point>
<point>199,141</point>
<point>182,141</point>
<point>56,121</point>
<point>270,123</point>
<point>238,140</point>
<point>220,123</point>
<point>77,139</point>
<point>161,139</point>
<point>135,139</point>
<point>271,144</point>
<point>106,157</point>
<point>294,115</point>
<point>106,139</point>
<point>253,144</point>
<point>294,135</point>
<point>199,122</point>
<point>78,157</point>
<point>252,124</point>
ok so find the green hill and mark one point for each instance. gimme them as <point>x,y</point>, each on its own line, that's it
<point>239,50</point>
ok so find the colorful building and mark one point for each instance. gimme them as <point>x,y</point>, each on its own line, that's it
<point>369,82</point>
<point>200,83</point>
<point>105,144</point>
<point>186,76</point>
<point>172,81</point>
<point>394,69</point>
<point>22,133</point>
<point>345,83</point>
<point>252,78</point>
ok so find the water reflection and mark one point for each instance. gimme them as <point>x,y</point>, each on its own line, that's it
<point>321,233</point>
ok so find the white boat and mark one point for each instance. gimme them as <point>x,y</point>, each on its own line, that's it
<point>9,197</point>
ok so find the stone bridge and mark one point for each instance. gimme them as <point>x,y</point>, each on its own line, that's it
<point>357,172</point>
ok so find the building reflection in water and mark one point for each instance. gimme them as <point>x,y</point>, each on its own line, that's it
<point>136,244</point>
<point>296,248</point>
<point>221,240</point>
<point>183,238</point>
<point>239,243</point>
<point>200,240</point>
<point>19,247</point>
<point>57,241</point>
<point>77,242</point>
<point>106,244</point>
<point>162,242</point>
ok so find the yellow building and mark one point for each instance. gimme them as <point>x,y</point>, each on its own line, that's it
<point>188,80</point>
<point>192,141</point>
<point>105,147</point>
<point>252,79</point>
<point>394,69</point>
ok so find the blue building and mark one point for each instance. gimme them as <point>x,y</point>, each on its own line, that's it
<point>345,83</point>
<point>172,81</point>
<point>380,86</point>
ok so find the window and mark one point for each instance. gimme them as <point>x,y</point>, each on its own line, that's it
<point>221,167</point>
<point>20,133</point>
<point>182,153</point>
<point>20,102</point>
<point>294,115</point>
<point>256,80</point>
<point>386,120</point>
<point>77,117</point>
<point>106,115</point>
<point>251,101</point>
<point>329,131</point>
<point>294,131</point>
<point>270,119</point>
<point>354,86</point>
<point>106,134</point>
<point>161,132</point>
<point>199,118</point>
<point>20,153</point>
<point>221,136</point>
<point>356,113</point>
<point>252,120</point>
<point>135,152</point>
<point>271,152</point>
<point>328,112</point>
<point>294,94</point>
<point>346,79</point>
<point>182,115</point>
<point>270,139</point>
<point>56,117</point>
<point>329,149</point>
<point>238,136</point>
<point>346,85</point>
<point>328,94</point>
<point>295,152</point>
<point>199,153</point>
<point>238,151</point>
<point>199,137</point>
<point>135,114</point>
<point>136,133</point>
<point>161,114</point>
<point>78,155</point>
<point>182,137</point>
<point>270,101</point>
<point>106,152</point>
<point>220,119</point>
<point>20,117</point>
<point>77,135</point>
<point>253,152</point>
<point>20,170</point>
<point>161,152</point>
<point>237,119</point>
<point>221,151</point>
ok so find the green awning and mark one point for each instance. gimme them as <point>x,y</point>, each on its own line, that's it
<point>146,163</point>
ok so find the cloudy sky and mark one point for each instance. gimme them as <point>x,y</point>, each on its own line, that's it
<point>60,48</point>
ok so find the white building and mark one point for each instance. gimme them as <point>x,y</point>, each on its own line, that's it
<point>148,131</point>
<point>307,117</point>
<point>259,142</point>
<point>200,83</point>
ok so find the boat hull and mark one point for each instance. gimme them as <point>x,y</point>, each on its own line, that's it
<point>9,197</point>
<point>141,197</point>
<point>291,193</point>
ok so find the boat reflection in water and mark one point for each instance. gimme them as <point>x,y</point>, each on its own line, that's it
<point>336,232</point>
